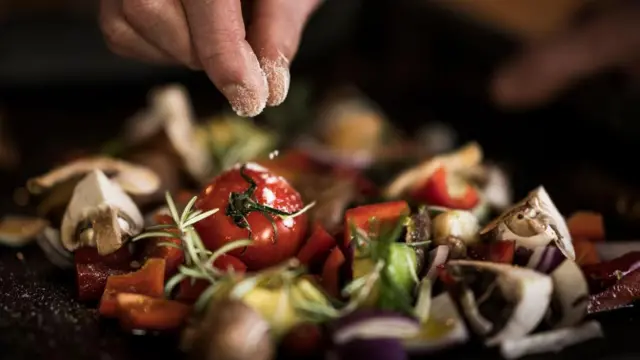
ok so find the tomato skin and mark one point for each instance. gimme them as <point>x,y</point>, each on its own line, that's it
<point>435,191</point>
<point>271,190</point>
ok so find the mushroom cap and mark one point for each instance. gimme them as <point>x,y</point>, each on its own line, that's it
<point>92,194</point>
<point>532,222</point>
<point>133,179</point>
<point>171,103</point>
<point>19,230</point>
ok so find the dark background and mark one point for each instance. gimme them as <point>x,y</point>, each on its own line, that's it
<point>60,90</point>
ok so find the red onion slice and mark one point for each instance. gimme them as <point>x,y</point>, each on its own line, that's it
<point>437,257</point>
<point>378,349</point>
<point>374,324</point>
<point>546,259</point>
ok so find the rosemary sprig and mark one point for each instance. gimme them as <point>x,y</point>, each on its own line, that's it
<point>198,259</point>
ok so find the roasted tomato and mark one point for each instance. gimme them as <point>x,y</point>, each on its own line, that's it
<point>253,203</point>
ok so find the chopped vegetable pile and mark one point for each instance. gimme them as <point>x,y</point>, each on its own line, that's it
<point>288,253</point>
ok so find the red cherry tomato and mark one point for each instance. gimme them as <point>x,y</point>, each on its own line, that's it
<point>268,194</point>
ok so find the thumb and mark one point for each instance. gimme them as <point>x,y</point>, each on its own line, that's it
<point>545,69</point>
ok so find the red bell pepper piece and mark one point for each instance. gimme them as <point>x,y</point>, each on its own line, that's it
<point>189,291</point>
<point>172,256</point>
<point>586,252</point>
<point>331,272</point>
<point>440,189</point>
<point>385,214</point>
<point>135,311</point>
<point>149,280</point>
<point>586,225</point>
<point>316,250</point>
<point>498,252</point>
<point>92,270</point>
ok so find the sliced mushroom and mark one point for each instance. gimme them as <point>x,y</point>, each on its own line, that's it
<point>455,224</point>
<point>501,302</point>
<point>100,214</point>
<point>18,231</point>
<point>535,221</point>
<point>170,112</point>
<point>49,242</point>
<point>467,156</point>
<point>134,179</point>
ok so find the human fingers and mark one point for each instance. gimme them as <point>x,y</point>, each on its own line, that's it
<point>546,69</point>
<point>218,34</point>
<point>162,23</point>
<point>275,36</point>
<point>122,39</point>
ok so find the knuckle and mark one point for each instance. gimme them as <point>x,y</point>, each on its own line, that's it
<point>142,10</point>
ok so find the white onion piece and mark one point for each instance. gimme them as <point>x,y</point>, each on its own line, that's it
<point>437,257</point>
<point>457,223</point>
<point>528,290</point>
<point>423,302</point>
<point>443,310</point>
<point>550,341</point>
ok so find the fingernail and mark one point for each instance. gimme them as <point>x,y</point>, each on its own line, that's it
<point>245,101</point>
<point>278,78</point>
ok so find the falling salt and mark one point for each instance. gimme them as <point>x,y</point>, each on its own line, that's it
<point>273,154</point>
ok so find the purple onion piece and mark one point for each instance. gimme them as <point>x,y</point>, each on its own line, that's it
<point>546,259</point>
<point>437,257</point>
<point>522,255</point>
<point>374,324</point>
<point>378,349</point>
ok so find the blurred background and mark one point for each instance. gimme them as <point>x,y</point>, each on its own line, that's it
<point>425,63</point>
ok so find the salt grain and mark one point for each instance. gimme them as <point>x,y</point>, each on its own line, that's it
<point>245,101</point>
<point>278,78</point>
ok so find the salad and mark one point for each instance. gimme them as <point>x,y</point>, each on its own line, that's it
<point>247,253</point>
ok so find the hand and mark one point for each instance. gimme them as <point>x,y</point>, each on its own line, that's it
<point>610,40</point>
<point>210,35</point>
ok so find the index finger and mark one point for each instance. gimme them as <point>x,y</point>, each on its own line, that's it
<point>218,33</point>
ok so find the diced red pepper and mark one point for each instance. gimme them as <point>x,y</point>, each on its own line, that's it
<point>385,214</point>
<point>441,189</point>
<point>303,340</point>
<point>586,225</point>
<point>135,311</point>
<point>626,291</point>
<point>586,252</point>
<point>92,270</point>
<point>189,291</point>
<point>316,250</point>
<point>149,280</point>
<point>331,272</point>
<point>172,256</point>
<point>605,274</point>
<point>498,252</point>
